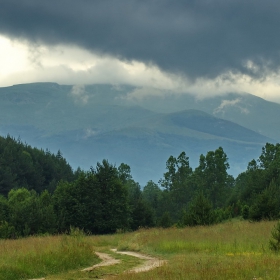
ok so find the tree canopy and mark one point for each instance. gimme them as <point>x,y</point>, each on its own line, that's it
<point>40,193</point>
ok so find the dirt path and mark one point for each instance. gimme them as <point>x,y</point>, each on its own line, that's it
<point>149,264</point>
<point>107,260</point>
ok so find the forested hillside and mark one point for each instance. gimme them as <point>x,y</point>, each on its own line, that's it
<point>40,193</point>
<point>31,168</point>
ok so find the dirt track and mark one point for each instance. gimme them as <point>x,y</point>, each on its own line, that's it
<point>149,264</point>
<point>107,260</point>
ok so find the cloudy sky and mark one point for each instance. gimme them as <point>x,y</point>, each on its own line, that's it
<point>203,47</point>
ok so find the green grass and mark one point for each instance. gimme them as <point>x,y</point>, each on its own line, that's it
<point>232,250</point>
<point>40,256</point>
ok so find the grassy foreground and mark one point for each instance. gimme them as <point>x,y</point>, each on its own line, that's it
<point>232,250</point>
<point>39,256</point>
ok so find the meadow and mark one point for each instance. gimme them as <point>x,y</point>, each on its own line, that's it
<point>231,250</point>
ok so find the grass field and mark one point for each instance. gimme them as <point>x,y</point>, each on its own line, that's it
<point>232,250</point>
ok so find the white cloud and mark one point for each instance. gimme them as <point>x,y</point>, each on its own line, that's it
<point>140,93</point>
<point>22,62</point>
<point>226,103</point>
<point>13,57</point>
<point>79,94</point>
<point>231,103</point>
<point>89,132</point>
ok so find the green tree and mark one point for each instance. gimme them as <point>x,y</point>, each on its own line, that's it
<point>270,161</point>
<point>124,172</point>
<point>78,204</point>
<point>200,211</point>
<point>6,230</point>
<point>152,194</point>
<point>266,204</point>
<point>31,168</point>
<point>4,209</point>
<point>178,171</point>
<point>113,198</point>
<point>177,184</point>
<point>97,201</point>
<point>165,220</point>
<point>48,218</point>
<point>31,213</point>
<point>142,215</point>
<point>212,177</point>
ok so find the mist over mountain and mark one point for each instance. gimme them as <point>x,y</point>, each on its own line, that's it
<point>91,123</point>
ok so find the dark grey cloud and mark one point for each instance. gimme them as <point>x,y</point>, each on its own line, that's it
<point>200,38</point>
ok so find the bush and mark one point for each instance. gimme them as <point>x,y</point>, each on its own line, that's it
<point>266,204</point>
<point>245,212</point>
<point>274,243</point>
<point>6,230</point>
<point>200,211</point>
<point>165,220</point>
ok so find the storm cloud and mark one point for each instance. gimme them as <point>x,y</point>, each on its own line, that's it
<point>202,38</point>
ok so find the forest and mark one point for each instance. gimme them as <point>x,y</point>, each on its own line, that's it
<point>42,194</point>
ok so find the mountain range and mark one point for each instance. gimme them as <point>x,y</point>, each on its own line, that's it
<point>135,126</point>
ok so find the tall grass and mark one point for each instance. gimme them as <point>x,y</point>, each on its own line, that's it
<point>233,250</point>
<point>36,257</point>
<point>232,237</point>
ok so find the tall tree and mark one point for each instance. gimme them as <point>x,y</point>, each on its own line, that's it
<point>270,162</point>
<point>31,213</point>
<point>78,204</point>
<point>152,194</point>
<point>178,171</point>
<point>113,197</point>
<point>96,202</point>
<point>213,177</point>
<point>124,172</point>
<point>177,184</point>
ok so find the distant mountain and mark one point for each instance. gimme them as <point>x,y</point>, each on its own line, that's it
<point>244,109</point>
<point>95,122</point>
<point>202,125</point>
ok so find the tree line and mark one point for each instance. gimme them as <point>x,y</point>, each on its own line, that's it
<point>40,193</point>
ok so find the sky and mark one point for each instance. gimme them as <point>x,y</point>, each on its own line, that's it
<point>202,47</point>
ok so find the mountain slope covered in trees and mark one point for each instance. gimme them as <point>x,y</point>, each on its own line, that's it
<point>24,166</point>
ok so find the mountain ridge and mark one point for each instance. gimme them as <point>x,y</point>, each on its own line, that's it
<point>90,123</point>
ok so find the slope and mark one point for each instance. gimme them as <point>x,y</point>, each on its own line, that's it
<point>91,123</point>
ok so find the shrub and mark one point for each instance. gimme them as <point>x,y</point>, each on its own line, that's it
<point>200,211</point>
<point>165,220</point>
<point>274,243</point>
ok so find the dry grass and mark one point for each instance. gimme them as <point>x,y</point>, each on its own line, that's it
<point>230,237</point>
<point>232,250</point>
<point>39,256</point>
